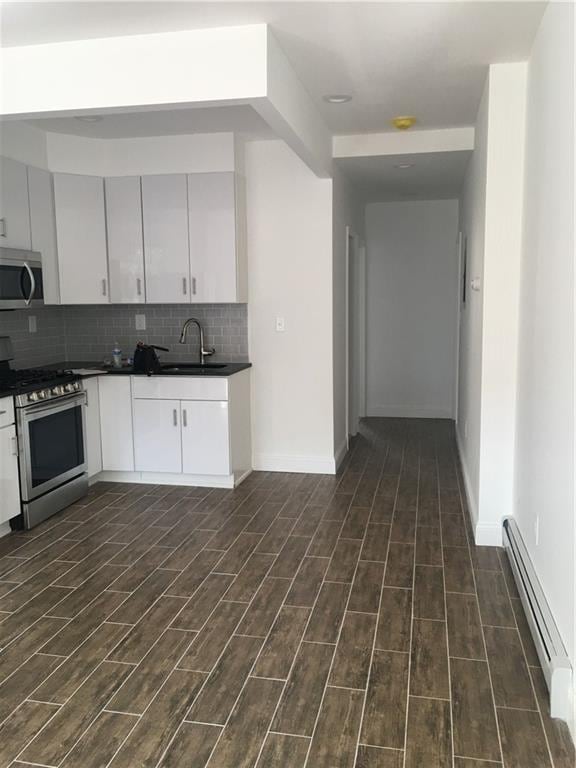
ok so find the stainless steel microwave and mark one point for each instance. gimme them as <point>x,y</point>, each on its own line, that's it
<point>20,279</point>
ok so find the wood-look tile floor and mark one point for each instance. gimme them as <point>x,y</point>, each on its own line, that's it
<point>299,620</point>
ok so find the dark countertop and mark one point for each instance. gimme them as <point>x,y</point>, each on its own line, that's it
<point>228,369</point>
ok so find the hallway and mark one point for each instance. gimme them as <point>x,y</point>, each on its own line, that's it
<point>298,620</point>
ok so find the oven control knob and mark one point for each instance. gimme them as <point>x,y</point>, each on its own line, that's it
<point>56,391</point>
<point>33,396</point>
<point>70,387</point>
<point>42,394</point>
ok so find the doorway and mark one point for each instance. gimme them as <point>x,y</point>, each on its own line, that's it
<point>355,331</point>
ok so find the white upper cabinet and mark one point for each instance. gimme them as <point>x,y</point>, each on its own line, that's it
<point>81,232</point>
<point>43,230</point>
<point>125,242</point>
<point>214,253</point>
<point>166,253</point>
<point>14,208</point>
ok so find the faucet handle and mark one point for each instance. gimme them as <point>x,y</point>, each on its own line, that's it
<point>209,351</point>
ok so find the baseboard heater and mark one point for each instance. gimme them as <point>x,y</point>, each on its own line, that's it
<point>549,646</point>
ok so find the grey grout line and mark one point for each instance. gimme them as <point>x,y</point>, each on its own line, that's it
<point>532,685</point>
<point>483,635</point>
<point>326,685</point>
<point>363,711</point>
<point>445,618</point>
<point>412,618</point>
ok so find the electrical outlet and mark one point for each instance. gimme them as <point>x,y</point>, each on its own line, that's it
<point>140,322</point>
<point>32,324</point>
<point>537,531</point>
<point>280,326</point>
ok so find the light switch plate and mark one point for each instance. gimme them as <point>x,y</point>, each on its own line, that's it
<point>280,326</point>
<point>140,321</point>
<point>32,324</point>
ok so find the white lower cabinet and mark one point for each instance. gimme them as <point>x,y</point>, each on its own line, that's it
<point>115,395</point>
<point>93,437</point>
<point>205,437</point>
<point>9,483</point>
<point>176,429</point>
<point>157,436</point>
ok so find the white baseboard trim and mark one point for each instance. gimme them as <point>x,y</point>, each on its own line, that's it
<point>485,534</point>
<point>409,412</point>
<point>167,478</point>
<point>5,529</point>
<point>340,454</point>
<point>488,534</point>
<point>278,462</point>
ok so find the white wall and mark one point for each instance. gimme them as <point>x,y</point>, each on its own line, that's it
<point>412,295</point>
<point>347,211</point>
<point>24,143</point>
<point>500,295</point>
<point>545,425</point>
<point>491,220</point>
<point>290,276</point>
<point>472,225</point>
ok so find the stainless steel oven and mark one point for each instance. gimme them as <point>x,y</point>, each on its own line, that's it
<point>52,454</point>
<point>21,282</point>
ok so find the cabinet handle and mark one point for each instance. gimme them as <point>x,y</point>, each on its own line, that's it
<point>3,412</point>
<point>184,286</point>
<point>104,286</point>
<point>194,286</point>
<point>14,446</point>
<point>175,417</point>
<point>184,418</point>
<point>3,226</point>
<point>139,286</point>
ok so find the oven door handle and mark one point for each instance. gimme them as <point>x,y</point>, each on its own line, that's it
<point>28,300</point>
<point>78,398</point>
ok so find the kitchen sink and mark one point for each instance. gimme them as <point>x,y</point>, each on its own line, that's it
<point>191,366</point>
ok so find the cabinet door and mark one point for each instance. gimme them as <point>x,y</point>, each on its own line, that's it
<point>125,243</point>
<point>43,230</point>
<point>81,232</point>
<point>115,395</point>
<point>93,440</point>
<point>212,228</point>
<point>14,208</point>
<point>157,439</point>
<point>205,438</point>
<point>166,252</point>
<point>9,486</point>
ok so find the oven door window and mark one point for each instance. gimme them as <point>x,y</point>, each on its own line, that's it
<point>56,445</point>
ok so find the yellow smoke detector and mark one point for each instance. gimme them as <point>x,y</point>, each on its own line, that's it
<point>403,122</point>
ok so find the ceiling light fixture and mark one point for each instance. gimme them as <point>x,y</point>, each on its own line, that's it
<point>337,98</point>
<point>404,165</point>
<point>89,118</point>
<point>403,122</point>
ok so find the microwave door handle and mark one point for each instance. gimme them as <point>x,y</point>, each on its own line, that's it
<point>32,284</point>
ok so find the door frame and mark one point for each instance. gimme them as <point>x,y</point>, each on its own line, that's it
<point>355,332</point>
<point>460,250</point>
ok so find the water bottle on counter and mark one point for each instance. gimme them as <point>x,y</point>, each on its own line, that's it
<point>117,356</point>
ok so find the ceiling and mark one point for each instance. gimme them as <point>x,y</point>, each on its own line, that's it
<point>428,59</point>
<point>242,120</point>
<point>432,176</point>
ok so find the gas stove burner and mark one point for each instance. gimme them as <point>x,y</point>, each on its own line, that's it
<point>31,377</point>
<point>32,385</point>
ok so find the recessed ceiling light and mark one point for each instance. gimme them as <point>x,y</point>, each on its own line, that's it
<point>337,98</point>
<point>89,118</point>
<point>404,165</point>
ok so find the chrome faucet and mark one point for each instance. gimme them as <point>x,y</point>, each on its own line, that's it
<point>203,352</point>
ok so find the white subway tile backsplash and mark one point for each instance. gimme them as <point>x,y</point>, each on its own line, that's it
<point>89,332</point>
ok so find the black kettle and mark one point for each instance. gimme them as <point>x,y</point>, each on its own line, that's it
<point>146,360</point>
